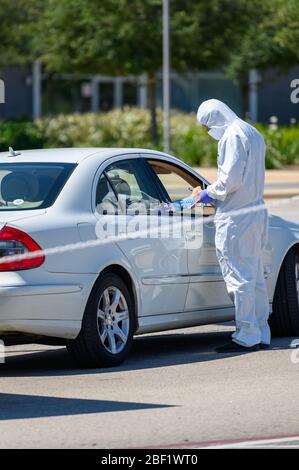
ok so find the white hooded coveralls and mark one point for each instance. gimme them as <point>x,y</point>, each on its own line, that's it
<point>240,238</point>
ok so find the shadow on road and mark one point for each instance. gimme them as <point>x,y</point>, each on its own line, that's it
<point>151,351</point>
<point>14,406</point>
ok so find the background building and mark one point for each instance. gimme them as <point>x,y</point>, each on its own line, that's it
<point>29,93</point>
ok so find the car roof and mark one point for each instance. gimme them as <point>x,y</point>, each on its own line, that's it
<point>68,155</point>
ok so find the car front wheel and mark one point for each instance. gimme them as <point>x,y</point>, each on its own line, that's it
<point>284,320</point>
<point>108,325</point>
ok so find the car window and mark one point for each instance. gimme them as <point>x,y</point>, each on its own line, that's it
<point>130,186</point>
<point>177,182</point>
<point>175,179</point>
<point>28,186</point>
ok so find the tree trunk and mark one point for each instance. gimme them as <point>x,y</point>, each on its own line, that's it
<point>152,86</point>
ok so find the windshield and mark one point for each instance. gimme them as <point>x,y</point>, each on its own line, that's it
<point>25,186</point>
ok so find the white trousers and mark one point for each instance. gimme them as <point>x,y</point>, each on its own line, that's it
<point>239,245</point>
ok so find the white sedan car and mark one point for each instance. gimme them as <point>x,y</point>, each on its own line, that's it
<point>95,297</point>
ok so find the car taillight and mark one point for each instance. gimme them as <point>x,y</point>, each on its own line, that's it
<point>15,242</point>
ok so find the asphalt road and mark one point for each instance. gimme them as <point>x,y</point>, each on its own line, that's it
<point>173,391</point>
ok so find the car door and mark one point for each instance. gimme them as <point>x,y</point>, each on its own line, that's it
<point>206,288</point>
<point>127,193</point>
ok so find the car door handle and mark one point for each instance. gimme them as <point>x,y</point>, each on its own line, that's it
<point>189,235</point>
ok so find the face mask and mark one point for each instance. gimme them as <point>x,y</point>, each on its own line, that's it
<point>216,133</point>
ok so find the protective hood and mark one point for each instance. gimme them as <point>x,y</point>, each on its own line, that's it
<point>217,116</point>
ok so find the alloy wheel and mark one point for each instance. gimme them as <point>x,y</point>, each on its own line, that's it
<point>113,320</point>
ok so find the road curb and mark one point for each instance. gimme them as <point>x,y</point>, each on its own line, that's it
<point>280,195</point>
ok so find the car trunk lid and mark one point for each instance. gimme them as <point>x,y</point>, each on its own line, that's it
<point>14,216</point>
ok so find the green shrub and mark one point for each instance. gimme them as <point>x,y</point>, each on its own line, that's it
<point>282,145</point>
<point>130,128</point>
<point>20,135</point>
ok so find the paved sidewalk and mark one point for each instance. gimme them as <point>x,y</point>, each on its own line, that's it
<point>279,183</point>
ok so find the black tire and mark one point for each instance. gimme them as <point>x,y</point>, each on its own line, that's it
<point>88,349</point>
<point>284,321</point>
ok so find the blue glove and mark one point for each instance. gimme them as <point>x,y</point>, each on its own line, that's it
<point>204,197</point>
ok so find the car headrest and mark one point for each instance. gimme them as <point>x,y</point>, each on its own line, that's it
<point>121,186</point>
<point>18,185</point>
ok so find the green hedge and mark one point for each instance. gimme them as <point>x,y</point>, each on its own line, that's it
<point>21,135</point>
<point>129,128</point>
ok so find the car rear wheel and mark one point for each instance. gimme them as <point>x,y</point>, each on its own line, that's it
<point>284,320</point>
<point>108,325</point>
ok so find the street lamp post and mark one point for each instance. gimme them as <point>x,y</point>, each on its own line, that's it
<point>166,77</point>
<point>36,89</point>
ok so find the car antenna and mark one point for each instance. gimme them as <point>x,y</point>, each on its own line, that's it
<point>13,153</point>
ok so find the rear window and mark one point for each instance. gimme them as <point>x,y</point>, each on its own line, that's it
<point>25,186</point>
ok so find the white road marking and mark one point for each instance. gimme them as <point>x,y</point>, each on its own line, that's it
<point>259,442</point>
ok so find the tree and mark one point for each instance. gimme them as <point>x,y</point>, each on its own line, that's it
<point>271,40</point>
<point>125,37</point>
<point>286,23</point>
<point>17,19</point>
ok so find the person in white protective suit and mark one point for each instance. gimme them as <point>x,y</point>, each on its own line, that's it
<point>239,237</point>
